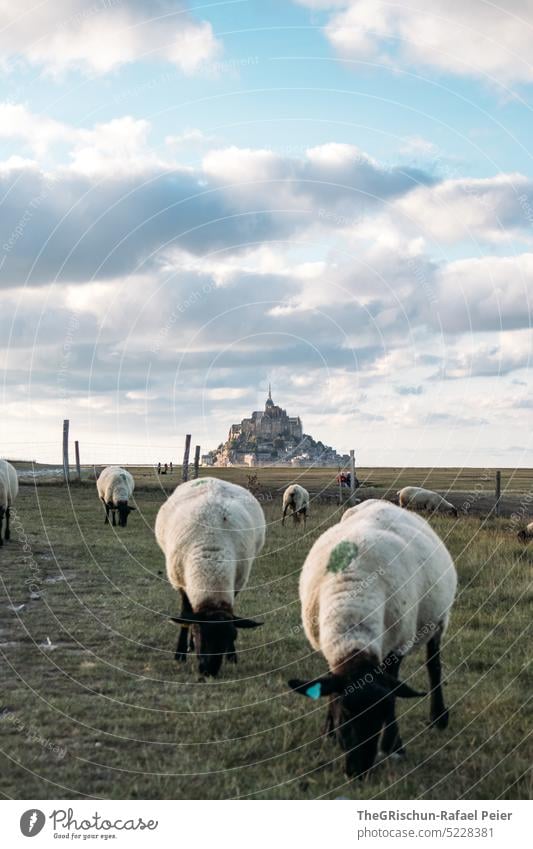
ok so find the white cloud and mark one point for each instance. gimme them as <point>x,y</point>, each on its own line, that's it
<point>100,36</point>
<point>476,38</point>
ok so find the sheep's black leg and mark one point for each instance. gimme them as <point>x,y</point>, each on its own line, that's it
<point>8,532</point>
<point>181,648</point>
<point>106,520</point>
<point>304,514</point>
<point>391,741</point>
<point>114,517</point>
<point>438,713</point>
<point>284,514</point>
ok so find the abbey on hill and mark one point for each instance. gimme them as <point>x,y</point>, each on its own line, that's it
<point>272,437</point>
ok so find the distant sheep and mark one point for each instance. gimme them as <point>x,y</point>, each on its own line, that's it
<point>115,488</point>
<point>9,487</point>
<point>296,499</point>
<point>526,534</point>
<point>424,499</point>
<point>373,588</point>
<point>210,532</point>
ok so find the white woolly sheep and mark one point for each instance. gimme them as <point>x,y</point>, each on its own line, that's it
<point>9,487</point>
<point>210,532</point>
<point>526,534</point>
<point>296,499</point>
<point>115,487</point>
<point>373,588</point>
<point>424,499</point>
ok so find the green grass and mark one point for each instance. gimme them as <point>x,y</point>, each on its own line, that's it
<point>109,714</point>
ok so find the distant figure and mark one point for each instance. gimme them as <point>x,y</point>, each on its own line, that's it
<point>343,478</point>
<point>159,468</point>
<point>166,469</point>
<point>171,467</point>
<point>348,479</point>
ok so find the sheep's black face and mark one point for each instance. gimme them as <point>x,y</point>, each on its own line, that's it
<point>358,720</point>
<point>124,511</point>
<point>213,639</point>
<point>214,633</point>
<point>358,710</point>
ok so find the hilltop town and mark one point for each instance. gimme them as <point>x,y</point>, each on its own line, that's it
<point>272,437</point>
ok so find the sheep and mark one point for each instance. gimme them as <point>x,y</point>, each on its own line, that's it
<point>210,532</point>
<point>9,487</point>
<point>115,487</point>
<point>296,498</point>
<point>526,534</point>
<point>373,588</point>
<point>424,499</point>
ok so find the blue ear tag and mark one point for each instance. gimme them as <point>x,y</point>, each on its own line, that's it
<point>314,692</point>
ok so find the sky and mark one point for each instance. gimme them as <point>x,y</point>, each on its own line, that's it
<point>334,196</point>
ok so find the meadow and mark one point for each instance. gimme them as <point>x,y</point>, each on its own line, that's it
<point>93,704</point>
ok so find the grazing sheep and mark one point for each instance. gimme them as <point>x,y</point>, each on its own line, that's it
<point>424,499</point>
<point>115,487</point>
<point>373,588</point>
<point>296,499</point>
<point>526,534</point>
<point>210,532</point>
<point>9,487</point>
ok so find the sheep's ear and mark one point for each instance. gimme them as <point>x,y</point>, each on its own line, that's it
<point>184,620</point>
<point>247,623</point>
<point>400,689</point>
<point>317,687</point>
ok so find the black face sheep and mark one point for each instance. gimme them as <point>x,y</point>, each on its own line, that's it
<point>373,588</point>
<point>296,499</point>
<point>9,487</point>
<point>424,499</point>
<point>210,532</point>
<point>115,488</point>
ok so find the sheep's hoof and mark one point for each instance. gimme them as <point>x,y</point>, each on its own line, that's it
<point>440,721</point>
<point>231,658</point>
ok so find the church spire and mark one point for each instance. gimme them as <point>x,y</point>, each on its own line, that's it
<point>269,392</point>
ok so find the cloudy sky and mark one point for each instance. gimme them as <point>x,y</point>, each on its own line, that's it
<point>332,195</point>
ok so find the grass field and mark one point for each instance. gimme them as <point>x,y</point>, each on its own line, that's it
<point>93,704</point>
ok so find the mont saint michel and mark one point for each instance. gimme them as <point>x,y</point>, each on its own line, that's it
<point>272,437</point>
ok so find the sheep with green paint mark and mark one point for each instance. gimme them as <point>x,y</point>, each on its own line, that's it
<point>373,588</point>
<point>210,532</point>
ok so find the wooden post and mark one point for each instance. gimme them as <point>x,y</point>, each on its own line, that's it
<point>196,460</point>
<point>77,450</point>
<point>185,468</point>
<point>65,450</point>
<point>498,493</point>
<point>352,472</point>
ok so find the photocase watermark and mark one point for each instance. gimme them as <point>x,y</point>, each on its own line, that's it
<point>180,308</point>
<point>476,493</point>
<point>32,734</point>
<point>34,578</point>
<point>73,326</point>
<point>20,227</point>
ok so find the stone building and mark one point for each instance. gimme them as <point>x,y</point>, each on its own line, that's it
<point>271,437</point>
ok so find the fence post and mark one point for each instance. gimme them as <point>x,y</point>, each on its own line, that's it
<point>65,450</point>
<point>352,472</point>
<point>498,493</point>
<point>78,466</point>
<point>185,468</point>
<point>196,460</point>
